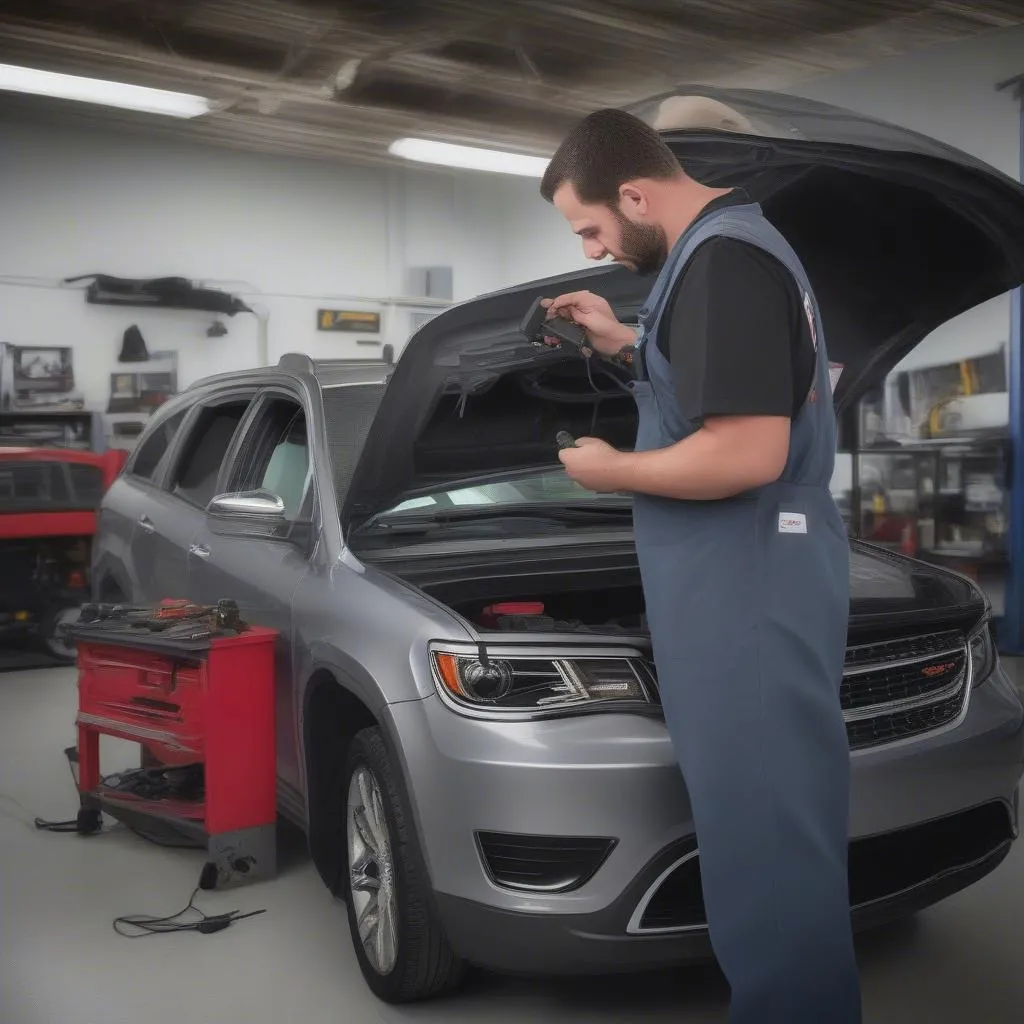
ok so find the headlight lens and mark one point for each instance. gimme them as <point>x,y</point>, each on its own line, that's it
<point>509,685</point>
<point>983,654</point>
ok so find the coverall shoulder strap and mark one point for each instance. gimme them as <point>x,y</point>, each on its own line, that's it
<point>745,223</point>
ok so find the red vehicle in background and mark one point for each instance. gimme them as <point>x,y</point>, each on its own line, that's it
<point>49,499</point>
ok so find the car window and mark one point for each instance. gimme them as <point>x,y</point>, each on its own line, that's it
<point>277,459</point>
<point>51,486</point>
<point>151,451</point>
<point>195,478</point>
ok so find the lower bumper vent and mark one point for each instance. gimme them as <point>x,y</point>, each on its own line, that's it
<point>880,867</point>
<point>542,863</point>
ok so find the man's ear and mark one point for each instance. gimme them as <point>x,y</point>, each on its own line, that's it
<point>632,199</point>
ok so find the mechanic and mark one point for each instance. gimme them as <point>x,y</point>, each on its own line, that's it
<point>743,553</point>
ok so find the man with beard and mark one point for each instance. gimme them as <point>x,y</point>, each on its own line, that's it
<point>743,554</point>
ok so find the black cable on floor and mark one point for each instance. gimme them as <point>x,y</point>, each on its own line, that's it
<point>146,924</point>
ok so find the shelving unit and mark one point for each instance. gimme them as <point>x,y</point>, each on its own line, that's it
<point>943,500</point>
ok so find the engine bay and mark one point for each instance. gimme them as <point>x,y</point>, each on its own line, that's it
<point>613,612</point>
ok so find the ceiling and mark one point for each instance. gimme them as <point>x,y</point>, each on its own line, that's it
<point>343,79</point>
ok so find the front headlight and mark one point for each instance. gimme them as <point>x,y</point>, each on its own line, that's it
<point>524,685</point>
<point>983,654</point>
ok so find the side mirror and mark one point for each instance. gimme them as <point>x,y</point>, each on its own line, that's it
<point>257,514</point>
<point>252,506</point>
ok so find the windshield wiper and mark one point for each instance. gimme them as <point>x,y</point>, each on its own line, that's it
<point>579,514</point>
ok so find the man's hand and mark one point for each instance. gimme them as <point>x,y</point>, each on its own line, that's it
<point>604,333</point>
<point>594,464</point>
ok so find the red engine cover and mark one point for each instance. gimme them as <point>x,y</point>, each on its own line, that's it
<point>491,614</point>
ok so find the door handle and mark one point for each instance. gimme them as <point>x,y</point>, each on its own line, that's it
<point>147,524</point>
<point>199,551</point>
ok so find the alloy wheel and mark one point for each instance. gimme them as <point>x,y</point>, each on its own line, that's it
<point>372,871</point>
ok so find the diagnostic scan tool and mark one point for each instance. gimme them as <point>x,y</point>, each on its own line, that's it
<point>536,326</point>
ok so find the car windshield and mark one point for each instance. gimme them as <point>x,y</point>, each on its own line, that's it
<point>551,487</point>
<point>53,486</point>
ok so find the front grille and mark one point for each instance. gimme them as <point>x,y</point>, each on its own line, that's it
<point>904,688</point>
<point>880,867</point>
<point>542,863</point>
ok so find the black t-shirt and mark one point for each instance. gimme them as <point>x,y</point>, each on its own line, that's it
<point>735,331</point>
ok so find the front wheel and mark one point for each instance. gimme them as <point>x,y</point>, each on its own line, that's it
<point>399,941</point>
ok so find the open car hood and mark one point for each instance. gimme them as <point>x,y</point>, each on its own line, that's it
<point>898,234</point>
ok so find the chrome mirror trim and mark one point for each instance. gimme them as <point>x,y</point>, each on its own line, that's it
<point>246,504</point>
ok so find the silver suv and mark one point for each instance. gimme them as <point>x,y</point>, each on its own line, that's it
<point>468,717</point>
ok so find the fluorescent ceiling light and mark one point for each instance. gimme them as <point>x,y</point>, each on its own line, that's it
<point>96,90</point>
<point>469,157</point>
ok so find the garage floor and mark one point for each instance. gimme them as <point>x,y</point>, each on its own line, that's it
<point>62,963</point>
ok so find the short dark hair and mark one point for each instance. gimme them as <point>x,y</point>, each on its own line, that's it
<point>605,149</point>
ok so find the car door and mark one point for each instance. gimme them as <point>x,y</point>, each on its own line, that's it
<point>259,568</point>
<point>124,542</point>
<point>173,514</point>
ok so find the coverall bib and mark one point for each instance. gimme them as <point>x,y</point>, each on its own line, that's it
<point>748,602</point>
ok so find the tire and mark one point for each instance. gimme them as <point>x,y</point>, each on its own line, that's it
<point>382,851</point>
<point>53,642</point>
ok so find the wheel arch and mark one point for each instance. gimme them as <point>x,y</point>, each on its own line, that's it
<point>332,714</point>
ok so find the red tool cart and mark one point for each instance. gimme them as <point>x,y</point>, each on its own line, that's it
<point>191,696</point>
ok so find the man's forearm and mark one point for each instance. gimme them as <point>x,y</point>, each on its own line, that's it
<point>715,462</point>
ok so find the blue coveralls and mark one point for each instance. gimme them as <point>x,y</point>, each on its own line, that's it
<point>748,601</point>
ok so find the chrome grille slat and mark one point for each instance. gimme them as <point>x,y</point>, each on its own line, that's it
<point>905,647</point>
<point>917,659</point>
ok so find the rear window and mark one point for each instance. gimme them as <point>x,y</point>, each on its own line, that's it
<point>45,486</point>
<point>151,451</point>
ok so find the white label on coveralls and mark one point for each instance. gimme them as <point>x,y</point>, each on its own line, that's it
<point>792,522</point>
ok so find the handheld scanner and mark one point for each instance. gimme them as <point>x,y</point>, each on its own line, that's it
<point>536,325</point>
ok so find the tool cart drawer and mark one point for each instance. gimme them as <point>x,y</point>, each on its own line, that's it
<point>155,697</point>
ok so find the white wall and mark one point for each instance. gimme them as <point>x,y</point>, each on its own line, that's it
<point>288,236</point>
<point>539,243</point>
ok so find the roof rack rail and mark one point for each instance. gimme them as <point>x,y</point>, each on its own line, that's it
<point>297,361</point>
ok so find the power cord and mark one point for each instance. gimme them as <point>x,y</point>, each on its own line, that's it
<point>145,924</point>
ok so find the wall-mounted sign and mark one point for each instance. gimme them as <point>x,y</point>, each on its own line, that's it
<point>353,321</point>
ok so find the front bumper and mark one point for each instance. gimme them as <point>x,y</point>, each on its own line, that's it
<point>616,776</point>
<point>539,944</point>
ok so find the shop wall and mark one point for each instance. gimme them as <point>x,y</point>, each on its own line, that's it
<point>288,236</point>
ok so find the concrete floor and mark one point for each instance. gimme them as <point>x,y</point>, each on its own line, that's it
<point>61,962</point>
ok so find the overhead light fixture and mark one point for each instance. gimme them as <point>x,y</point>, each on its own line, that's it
<point>97,90</point>
<point>468,157</point>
